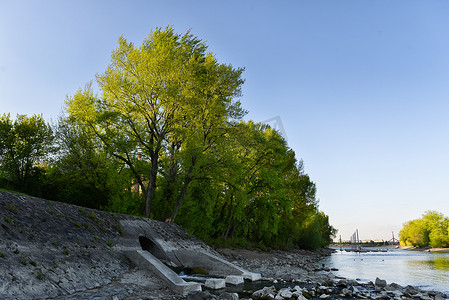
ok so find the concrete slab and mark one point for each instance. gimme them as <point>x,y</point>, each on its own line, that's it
<point>215,283</point>
<point>145,260</point>
<point>213,264</point>
<point>234,279</point>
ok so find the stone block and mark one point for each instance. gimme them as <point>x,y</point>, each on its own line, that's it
<point>234,279</point>
<point>215,283</point>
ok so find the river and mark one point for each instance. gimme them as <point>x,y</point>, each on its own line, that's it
<point>428,271</point>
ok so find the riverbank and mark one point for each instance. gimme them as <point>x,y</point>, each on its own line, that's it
<point>52,250</point>
<point>286,272</point>
<point>425,249</point>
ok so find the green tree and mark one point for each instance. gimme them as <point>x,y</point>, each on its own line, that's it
<point>25,145</point>
<point>414,233</point>
<point>169,90</point>
<point>85,174</point>
<point>431,230</point>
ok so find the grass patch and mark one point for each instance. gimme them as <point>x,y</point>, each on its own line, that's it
<point>9,220</point>
<point>77,224</point>
<point>40,275</point>
<point>12,208</point>
<point>91,215</point>
<point>119,228</point>
<point>2,255</point>
<point>15,192</point>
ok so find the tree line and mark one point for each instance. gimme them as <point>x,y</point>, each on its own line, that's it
<point>165,139</point>
<point>430,230</point>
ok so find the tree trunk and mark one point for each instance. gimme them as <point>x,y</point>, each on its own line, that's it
<point>228,220</point>
<point>181,196</point>
<point>187,181</point>
<point>151,184</point>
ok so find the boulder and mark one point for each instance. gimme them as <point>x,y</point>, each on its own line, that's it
<point>198,295</point>
<point>410,290</point>
<point>229,296</point>
<point>380,283</point>
<point>265,293</point>
<point>285,293</point>
<point>342,283</point>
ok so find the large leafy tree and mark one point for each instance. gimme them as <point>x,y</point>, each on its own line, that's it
<point>167,97</point>
<point>430,230</point>
<point>25,144</point>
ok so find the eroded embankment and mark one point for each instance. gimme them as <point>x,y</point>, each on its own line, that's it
<point>55,250</point>
<point>52,250</point>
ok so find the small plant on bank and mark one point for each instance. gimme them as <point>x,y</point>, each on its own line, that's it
<point>9,220</point>
<point>119,228</point>
<point>33,263</point>
<point>40,275</point>
<point>110,243</point>
<point>23,261</point>
<point>2,255</point>
<point>77,224</point>
<point>12,208</point>
<point>91,215</point>
<point>65,251</point>
<point>52,212</point>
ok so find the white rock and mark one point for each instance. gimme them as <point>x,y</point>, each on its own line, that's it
<point>234,279</point>
<point>215,283</point>
<point>285,293</point>
<point>297,288</point>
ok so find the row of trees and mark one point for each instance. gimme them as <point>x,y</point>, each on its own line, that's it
<point>165,139</point>
<point>430,230</point>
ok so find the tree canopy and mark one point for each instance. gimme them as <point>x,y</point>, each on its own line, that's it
<point>25,145</point>
<point>431,230</point>
<point>164,138</point>
<point>168,90</point>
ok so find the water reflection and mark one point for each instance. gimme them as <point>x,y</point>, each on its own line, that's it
<point>433,261</point>
<point>425,270</point>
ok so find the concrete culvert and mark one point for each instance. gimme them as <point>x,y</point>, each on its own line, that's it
<point>150,246</point>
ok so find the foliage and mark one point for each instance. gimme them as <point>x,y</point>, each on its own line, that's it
<point>431,230</point>
<point>25,144</point>
<point>167,91</point>
<point>164,139</point>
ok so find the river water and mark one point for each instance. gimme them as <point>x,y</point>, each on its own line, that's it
<point>428,271</point>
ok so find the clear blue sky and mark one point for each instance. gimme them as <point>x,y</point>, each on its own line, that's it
<point>361,87</point>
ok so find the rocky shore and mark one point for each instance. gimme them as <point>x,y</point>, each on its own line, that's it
<point>296,275</point>
<point>52,250</point>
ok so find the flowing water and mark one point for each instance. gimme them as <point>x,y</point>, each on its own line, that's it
<point>428,271</point>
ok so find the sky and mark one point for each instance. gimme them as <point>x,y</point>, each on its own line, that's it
<point>361,88</point>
